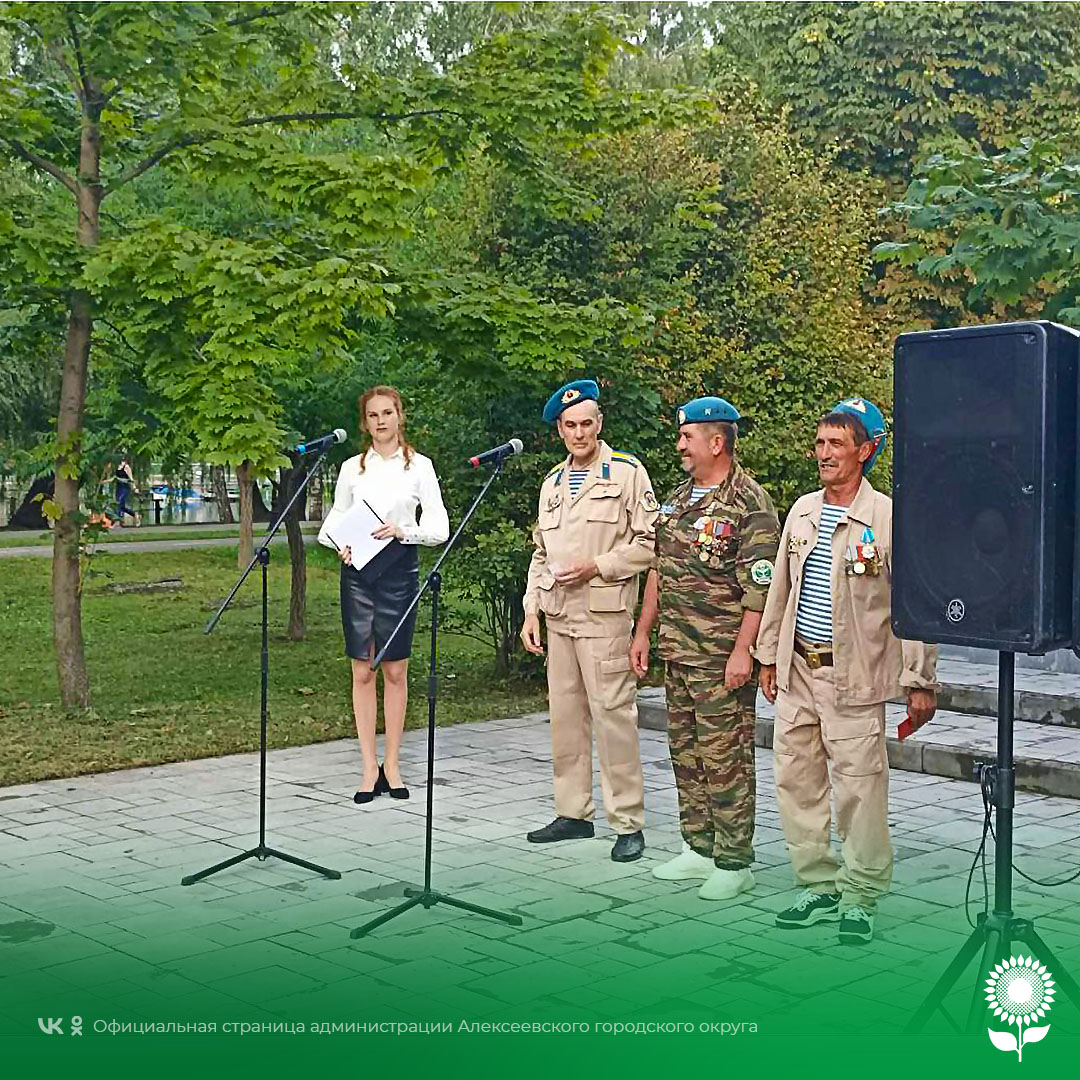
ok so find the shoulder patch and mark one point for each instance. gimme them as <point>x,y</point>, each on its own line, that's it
<point>626,459</point>
<point>761,572</point>
<point>553,471</point>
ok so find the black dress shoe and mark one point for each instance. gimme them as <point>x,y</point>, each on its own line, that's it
<point>382,786</point>
<point>562,828</point>
<point>628,847</point>
<point>362,797</point>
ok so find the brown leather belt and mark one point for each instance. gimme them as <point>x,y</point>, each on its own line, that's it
<point>815,658</point>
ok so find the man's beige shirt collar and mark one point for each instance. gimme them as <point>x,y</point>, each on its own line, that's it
<point>594,472</point>
<point>861,508</point>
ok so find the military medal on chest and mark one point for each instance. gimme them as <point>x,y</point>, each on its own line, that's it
<point>863,559</point>
<point>712,538</point>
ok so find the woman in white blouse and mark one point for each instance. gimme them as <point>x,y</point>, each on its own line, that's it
<point>394,480</point>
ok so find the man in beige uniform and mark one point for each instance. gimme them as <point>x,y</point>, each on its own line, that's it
<point>830,662</point>
<point>594,535</point>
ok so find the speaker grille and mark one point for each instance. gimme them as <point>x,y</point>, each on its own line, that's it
<point>970,547</point>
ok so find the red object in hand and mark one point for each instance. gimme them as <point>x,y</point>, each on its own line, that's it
<point>907,726</point>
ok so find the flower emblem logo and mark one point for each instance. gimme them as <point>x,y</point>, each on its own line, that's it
<point>1019,991</point>
<point>955,610</point>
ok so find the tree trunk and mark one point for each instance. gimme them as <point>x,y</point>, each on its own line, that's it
<point>315,496</point>
<point>221,493</point>
<point>71,669</point>
<point>247,546</point>
<point>297,554</point>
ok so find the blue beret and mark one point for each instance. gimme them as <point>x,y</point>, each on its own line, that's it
<point>708,410</point>
<point>570,394</point>
<point>869,415</point>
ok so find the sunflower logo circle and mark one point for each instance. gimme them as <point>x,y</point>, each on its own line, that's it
<point>1020,990</point>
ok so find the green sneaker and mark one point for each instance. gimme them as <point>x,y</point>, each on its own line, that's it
<point>856,926</point>
<point>809,908</point>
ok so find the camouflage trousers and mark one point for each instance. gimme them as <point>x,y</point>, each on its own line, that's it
<point>711,738</point>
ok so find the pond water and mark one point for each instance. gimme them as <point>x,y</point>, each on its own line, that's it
<point>179,507</point>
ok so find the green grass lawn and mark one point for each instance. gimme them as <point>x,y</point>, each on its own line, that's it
<point>125,535</point>
<point>165,691</point>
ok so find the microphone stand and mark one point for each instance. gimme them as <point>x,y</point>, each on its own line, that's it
<point>427,896</point>
<point>262,557</point>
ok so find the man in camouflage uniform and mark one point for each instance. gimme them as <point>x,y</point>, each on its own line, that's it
<point>716,541</point>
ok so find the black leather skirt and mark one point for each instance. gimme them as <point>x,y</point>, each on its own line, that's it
<point>374,598</point>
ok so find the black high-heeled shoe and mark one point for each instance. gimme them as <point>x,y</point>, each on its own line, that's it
<point>383,785</point>
<point>362,797</point>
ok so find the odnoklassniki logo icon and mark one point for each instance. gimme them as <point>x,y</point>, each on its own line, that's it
<point>1019,991</point>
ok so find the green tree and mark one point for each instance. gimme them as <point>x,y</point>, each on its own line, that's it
<point>1004,229</point>
<point>886,83</point>
<point>747,257</point>
<point>98,96</point>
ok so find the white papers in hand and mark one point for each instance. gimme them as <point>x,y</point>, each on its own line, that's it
<point>354,531</point>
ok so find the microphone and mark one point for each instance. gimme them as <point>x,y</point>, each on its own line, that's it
<point>335,436</point>
<point>498,453</point>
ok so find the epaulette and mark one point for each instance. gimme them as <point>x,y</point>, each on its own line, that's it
<point>558,468</point>
<point>626,459</point>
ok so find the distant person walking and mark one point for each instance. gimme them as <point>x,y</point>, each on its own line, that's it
<point>125,488</point>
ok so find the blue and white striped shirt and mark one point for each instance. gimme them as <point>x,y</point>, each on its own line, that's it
<point>576,479</point>
<point>700,492</point>
<point>813,617</point>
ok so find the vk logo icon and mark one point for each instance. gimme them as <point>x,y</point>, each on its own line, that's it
<point>53,1027</point>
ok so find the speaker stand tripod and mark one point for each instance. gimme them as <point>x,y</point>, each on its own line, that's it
<point>996,933</point>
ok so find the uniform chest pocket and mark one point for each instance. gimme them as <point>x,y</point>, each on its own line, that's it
<point>799,547</point>
<point>603,506</point>
<point>549,517</point>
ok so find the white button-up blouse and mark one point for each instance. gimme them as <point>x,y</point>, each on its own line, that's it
<point>393,492</point>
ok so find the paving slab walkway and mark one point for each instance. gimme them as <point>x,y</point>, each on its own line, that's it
<point>94,921</point>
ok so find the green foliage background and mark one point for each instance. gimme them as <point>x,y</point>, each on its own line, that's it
<point>672,198</point>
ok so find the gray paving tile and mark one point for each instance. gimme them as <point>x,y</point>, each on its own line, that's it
<point>90,900</point>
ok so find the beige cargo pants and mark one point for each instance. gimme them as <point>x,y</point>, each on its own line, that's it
<point>822,750</point>
<point>592,690</point>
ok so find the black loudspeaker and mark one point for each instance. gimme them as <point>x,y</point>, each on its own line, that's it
<point>984,481</point>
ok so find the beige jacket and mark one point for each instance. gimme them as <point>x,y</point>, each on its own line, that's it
<point>870,663</point>
<point>611,520</point>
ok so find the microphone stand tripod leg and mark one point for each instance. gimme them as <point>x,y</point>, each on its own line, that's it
<point>427,896</point>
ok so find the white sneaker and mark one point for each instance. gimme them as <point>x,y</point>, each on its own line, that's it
<point>726,884</point>
<point>685,867</point>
